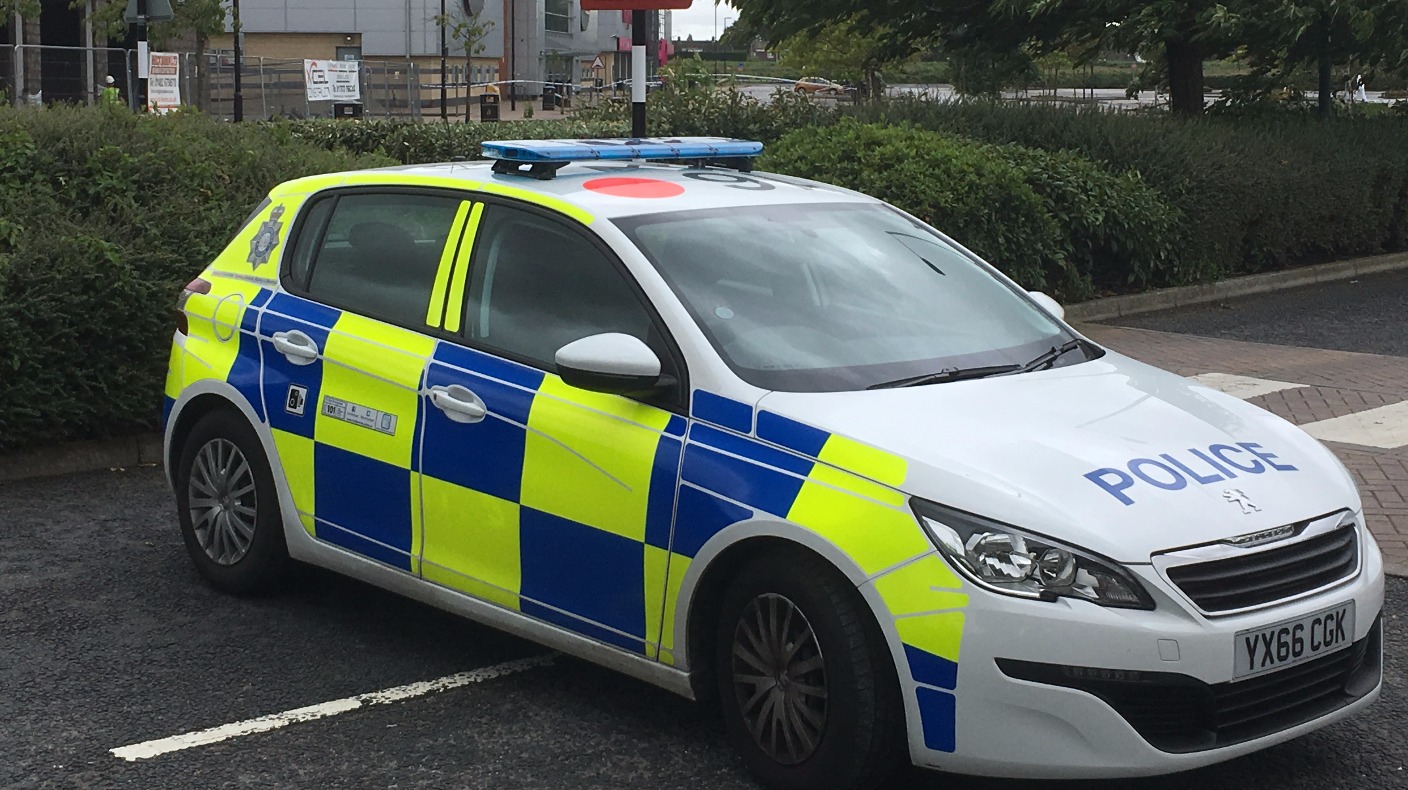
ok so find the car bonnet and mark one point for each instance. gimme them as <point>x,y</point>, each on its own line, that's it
<point>1113,455</point>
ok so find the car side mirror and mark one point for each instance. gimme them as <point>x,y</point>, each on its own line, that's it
<point>609,362</point>
<point>1052,306</point>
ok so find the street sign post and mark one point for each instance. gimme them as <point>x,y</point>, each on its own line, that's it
<point>142,13</point>
<point>638,42</point>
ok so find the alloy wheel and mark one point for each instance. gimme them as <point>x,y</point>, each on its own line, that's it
<point>779,678</point>
<point>223,501</point>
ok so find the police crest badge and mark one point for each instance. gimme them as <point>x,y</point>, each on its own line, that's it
<point>264,242</point>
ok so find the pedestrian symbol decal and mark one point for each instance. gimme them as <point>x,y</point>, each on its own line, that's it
<point>264,242</point>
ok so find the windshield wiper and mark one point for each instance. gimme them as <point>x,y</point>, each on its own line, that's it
<point>952,374</point>
<point>1049,357</point>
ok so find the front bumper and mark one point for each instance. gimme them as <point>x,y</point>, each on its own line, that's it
<point>1016,716</point>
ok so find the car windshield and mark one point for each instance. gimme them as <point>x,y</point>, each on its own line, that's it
<point>838,297</point>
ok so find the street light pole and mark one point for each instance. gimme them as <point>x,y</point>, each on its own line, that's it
<point>638,42</point>
<point>239,62</point>
<point>444,55</point>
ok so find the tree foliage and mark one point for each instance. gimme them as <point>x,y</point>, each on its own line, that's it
<point>467,30</point>
<point>1280,37</point>
<point>1178,35</point>
<point>841,51</point>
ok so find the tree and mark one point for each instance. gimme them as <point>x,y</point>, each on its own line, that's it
<point>839,51</point>
<point>1282,36</point>
<point>467,29</point>
<point>740,36</point>
<point>1183,31</point>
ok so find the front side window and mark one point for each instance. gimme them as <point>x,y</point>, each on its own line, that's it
<point>837,297</point>
<point>374,254</point>
<point>537,285</point>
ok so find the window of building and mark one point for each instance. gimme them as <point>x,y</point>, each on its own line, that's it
<point>557,16</point>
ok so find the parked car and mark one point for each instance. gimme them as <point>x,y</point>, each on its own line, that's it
<point>771,443</point>
<point>819,86</point>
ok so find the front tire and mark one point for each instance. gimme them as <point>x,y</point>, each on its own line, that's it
<point>806,685</point>
<point>229,508</point>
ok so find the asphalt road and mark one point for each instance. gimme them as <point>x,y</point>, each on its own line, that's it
<point>1368,315</point>
<point>108,638</point>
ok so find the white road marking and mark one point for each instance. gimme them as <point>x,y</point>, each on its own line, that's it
<point>1385,427</point>
<point>1243,387</point>
<point>147,749</point>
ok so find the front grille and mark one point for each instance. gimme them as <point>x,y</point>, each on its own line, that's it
<point>1253,579</point>
<point>1180,714</point>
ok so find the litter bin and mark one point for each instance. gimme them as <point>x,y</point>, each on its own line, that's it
<point>347,110</point>
<point>489,107</point>
<point>549,98</point>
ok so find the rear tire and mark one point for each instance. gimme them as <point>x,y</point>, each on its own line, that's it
<point>228,506</point>
<point>806,684</point>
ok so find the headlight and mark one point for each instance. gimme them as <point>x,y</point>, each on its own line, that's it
<point>1009,561</point>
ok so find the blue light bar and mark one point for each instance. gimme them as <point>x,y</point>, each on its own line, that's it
<point>533,151</point>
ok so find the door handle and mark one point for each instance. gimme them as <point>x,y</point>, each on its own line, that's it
<point>299,348</point>
<point>459,403</point>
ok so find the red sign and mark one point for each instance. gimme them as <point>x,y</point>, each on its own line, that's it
<point>635,5</point>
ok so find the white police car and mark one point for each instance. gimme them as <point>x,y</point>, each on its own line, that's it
<point>771,443</point>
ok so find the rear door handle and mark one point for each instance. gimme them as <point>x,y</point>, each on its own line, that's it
<point>299,348</point>
<point>459,403</point>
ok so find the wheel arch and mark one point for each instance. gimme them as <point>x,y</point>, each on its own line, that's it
<point>717,562</point>
<point>209,395</point>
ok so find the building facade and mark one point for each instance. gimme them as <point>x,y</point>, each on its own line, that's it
<point>524,43</point>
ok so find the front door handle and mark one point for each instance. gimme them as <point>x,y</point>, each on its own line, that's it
<point>459,403</point>
<point>299,348</point>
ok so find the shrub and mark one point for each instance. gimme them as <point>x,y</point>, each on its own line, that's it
<point>103,217</point>
<point>418,143</point>
<point>981,201</point>
<point>1047,220</point>
<point>1251,194</point>
<point>719,111</point>
<point>1116,231</point>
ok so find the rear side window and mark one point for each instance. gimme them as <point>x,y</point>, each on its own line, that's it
<point>374,254</point>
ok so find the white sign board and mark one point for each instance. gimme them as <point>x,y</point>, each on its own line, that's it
<point>597,64</point>
<point>164,82</point>
<point>333,80</point>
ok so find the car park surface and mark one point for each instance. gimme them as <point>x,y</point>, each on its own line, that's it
<point>109,638</point>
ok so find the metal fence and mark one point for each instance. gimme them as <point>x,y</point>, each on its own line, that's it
<point>36,75</point>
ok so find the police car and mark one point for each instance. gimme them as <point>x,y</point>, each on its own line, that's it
<point>768,443</point>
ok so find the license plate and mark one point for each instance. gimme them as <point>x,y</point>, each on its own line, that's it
<point>1273,647</point>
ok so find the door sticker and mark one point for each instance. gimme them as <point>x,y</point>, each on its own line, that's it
<point>365,416</point>
<point>297,400</point>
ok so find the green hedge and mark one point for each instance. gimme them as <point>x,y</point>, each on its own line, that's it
<point>1250,194</point>
<point>417,143</point>
<point>1050,221</point>
<point>103,217</point>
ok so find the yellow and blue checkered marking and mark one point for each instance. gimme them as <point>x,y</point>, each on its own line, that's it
<point>578,490</point>
<point>221,342</point>
<point>926,600</point>
<point>580,509</point>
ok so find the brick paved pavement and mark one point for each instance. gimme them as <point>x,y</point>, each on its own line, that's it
<point>1329,384</point>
